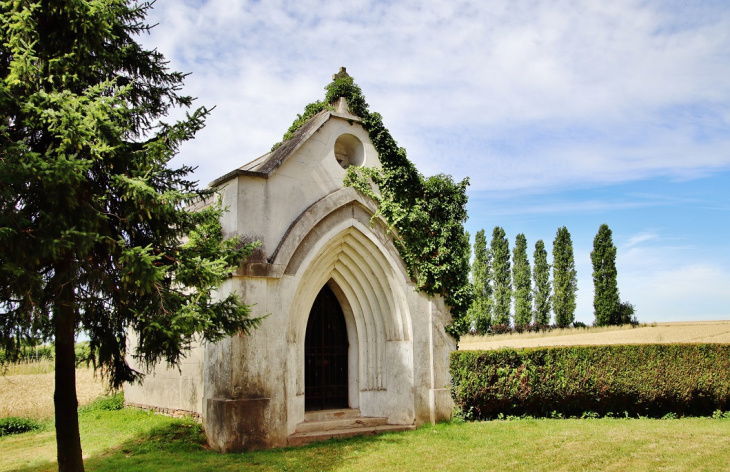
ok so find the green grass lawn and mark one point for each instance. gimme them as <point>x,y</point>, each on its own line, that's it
<point>137,440</point>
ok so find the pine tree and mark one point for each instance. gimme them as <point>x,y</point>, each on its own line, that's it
<point>541,277</point>
<point>606,297</point>
<point>521,278</point>
<point>95,234</point>
<point>565,282</point>
<point>481,308</point>
<point>501,277</point>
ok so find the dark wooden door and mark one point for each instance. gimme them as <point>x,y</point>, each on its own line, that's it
<point>325,354</point>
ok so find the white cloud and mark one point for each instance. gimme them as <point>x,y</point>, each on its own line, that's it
<point>642,237</point>
<point>524,97</point>
<point>576,206</point>
<point>535,93</point>
<point>691,292</point>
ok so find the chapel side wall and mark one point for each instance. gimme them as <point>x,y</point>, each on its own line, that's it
<point>168,388</point>
<point>183,388</point>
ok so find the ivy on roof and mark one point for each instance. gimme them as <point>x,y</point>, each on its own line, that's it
<point>427,213</point>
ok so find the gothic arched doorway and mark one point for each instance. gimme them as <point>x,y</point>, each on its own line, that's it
<point>325,355</point>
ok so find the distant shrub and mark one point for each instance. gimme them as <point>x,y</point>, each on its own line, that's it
<point>82,351</point>
<point>17,425</point>
<point>43,352</point>
<point>517,329</point>
<point>626,314</point>
<point>579,324</point>
<point>638,380</point>
<point>500,329</point>
<point>28,354</point>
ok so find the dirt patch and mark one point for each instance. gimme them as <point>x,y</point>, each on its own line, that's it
<point>32,395</point>
<point>678,332</point>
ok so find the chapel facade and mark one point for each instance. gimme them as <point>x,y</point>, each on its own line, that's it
<point>347,344</point>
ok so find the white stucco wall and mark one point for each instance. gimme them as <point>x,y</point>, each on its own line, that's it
<point>265,208</point>
<point>171,388</point>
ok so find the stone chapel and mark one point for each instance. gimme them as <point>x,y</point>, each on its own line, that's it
<point>347,346</point>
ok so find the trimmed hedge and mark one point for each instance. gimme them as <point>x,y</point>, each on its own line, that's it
<point>640,380</point>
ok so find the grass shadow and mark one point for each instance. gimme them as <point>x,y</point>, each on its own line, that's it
<point>182,446</point>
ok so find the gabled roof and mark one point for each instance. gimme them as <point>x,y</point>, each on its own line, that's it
<point>267,164</point>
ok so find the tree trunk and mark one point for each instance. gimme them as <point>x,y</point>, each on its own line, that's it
<point>68,440</point>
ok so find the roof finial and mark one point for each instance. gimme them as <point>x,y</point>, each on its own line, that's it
<point>341,74</point>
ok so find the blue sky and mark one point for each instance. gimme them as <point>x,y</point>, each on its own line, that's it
<point>560,112</point>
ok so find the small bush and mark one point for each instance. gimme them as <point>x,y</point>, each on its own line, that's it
<point>655,380</point>
<point>17,425</point>
<point>106,403</point>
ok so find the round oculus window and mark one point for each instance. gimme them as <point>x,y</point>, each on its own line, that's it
<point>349,151</point>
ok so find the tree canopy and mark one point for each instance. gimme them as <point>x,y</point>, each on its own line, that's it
<point>565,282</point>
<point>480,313</point>
<point>96,233</point>
<point>606,296</point>
<point>521,278</point>
<point>541,277</point>
<point>501,276</point>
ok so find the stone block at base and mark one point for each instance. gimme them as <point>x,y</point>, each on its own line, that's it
<point>237,425</point>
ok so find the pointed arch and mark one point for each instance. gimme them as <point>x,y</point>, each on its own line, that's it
<point>372,287</point>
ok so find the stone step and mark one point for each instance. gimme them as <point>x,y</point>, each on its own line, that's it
<point>299,439</point>
<point>342,423</point>
<point>323,415</point>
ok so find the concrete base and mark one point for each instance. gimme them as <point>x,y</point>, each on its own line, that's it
<point>236,425</point>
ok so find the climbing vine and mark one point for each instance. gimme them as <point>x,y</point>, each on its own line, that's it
<point>426,213</point>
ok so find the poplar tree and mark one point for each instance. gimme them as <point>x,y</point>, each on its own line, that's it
<point>541,277</point>
<point>521,277</point>
<point>95,231</point>
<point>501,277</point>
<point>605,287</point>
<point>565,282</point>
<point>481,307</point>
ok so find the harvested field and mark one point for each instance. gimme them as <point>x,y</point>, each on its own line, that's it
<point>32,395</point>
<point>677,332</point>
